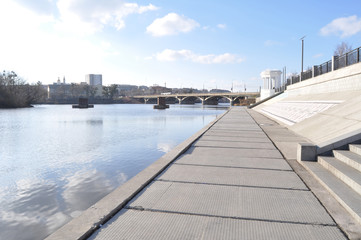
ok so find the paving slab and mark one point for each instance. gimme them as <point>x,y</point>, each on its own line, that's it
<point>133,224</point>
<point>292,206</point>
<point>235,134</point>
<point>232,139</point>
<point>222,152</point>
<point>231,161</point>
<point>237,145</point>
<point>237,128</point>
<point>266,178</point>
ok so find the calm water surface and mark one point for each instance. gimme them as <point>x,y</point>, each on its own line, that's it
<point>56,161</point>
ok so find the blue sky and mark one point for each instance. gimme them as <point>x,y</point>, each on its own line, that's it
<point>180,43</point>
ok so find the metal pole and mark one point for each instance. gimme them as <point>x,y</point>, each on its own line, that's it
<point>302,38</point>
<point>302,57</point>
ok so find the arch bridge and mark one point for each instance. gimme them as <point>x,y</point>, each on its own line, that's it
<point>205,98</point>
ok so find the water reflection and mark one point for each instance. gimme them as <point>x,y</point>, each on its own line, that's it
<point>40,207</point>
<point>34,211</point>
<point>166,147</point>
<point>83,189</point>
<point>95,122</point>
<point>56,162</point>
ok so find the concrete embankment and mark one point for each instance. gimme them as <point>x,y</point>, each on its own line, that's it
<point>228,182</point>
<point>322,109</point>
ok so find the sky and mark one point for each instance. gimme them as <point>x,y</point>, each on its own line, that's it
<point>175,43</point>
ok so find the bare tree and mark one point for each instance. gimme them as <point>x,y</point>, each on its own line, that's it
<point>342,48</point>
<point>15,92</point>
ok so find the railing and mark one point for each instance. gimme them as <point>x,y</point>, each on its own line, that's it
<point>306,75</point>
<point>323,68</point>
<point>337,62</point>
<point>348,58</point>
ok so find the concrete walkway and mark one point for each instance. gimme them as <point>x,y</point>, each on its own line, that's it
<point>232,183</point>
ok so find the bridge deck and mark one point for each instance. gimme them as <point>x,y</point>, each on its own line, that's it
<point>232,183</point>
<point>227,94</point>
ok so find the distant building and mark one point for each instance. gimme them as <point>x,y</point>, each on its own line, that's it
<point>219,91</point>
<point>271,82</point>
<point>156,90</point>
<point>94,79</point>
<point>59,89</point>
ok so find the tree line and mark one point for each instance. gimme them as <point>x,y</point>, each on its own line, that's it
<point>16,93</point>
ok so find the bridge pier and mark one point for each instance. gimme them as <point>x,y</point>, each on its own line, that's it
<point>161,103</point>
<point>212,101</point>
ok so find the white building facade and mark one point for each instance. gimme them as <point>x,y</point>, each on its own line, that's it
<point>271,82</point>
<point>94,79</point>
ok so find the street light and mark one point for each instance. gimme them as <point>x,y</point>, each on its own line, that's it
<point>302,38</point>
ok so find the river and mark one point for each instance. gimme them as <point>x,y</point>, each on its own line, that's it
<point>56,161</point>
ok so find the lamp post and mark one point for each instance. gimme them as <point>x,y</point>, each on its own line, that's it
<point>302,38</point>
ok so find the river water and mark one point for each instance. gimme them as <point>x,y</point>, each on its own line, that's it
<point>56,161</point>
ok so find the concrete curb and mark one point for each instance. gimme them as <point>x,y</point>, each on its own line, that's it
<point>95,216</point>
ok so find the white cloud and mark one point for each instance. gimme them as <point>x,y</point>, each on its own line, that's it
<point>50,53</point>
<point>171,24</point>
<point>222,26</point>
<point>170,55</point>
<point>344,27</point>
<point>91,16</point>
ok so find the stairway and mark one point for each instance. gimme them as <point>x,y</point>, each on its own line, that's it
<point>340,174</point>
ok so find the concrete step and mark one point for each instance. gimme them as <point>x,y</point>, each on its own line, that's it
<point>349,157</point>
<point>356,148</point>
<point>344,172</point>
<point>348,198</point>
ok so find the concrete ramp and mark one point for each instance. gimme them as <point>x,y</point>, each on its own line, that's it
<point>320,109</point>
<point>339,120</point>
<point>321,118</point>
<point>291,112</point>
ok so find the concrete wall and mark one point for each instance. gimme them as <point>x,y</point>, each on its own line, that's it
<point>323,127</point>
<point>341,80</point>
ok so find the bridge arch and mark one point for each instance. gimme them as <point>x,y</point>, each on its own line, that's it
<point>171,97</point>
<point>194,98</point>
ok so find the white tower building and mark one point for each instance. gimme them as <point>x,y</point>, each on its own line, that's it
<point>94,79</point>
<point>271,82</point>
